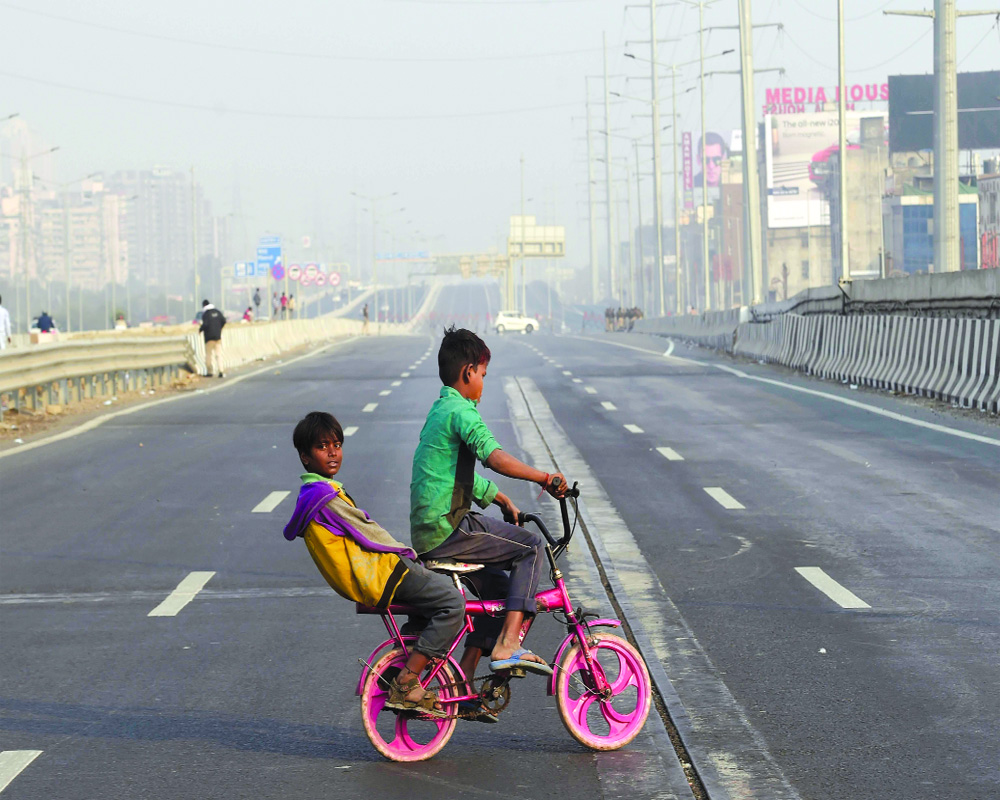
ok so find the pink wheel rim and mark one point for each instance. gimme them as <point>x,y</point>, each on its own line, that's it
<point>606,721</point>
<point>407,737</point>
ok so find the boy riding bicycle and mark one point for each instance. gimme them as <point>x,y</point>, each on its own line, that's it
<point>362,562</point>
<point>443,487</point>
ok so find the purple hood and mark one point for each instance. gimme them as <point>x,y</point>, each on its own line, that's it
<point>313,504</point>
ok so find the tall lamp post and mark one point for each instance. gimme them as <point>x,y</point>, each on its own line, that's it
<point>374,200</point>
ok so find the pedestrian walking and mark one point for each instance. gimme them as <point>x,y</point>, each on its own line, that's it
<point>291,306</point>
<point>212,322</point>
<point>274,306</point>
<point>284,305</point>
<point>5,331</point>
<point>364,315</point>
<point>256,301</point>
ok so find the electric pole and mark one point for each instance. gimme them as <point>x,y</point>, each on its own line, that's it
<point>751,178</point>
<point>947,249</point>
<point>607,177</point>
<point>845,263</point>
<point>657,169</point>
<point>594,286</point>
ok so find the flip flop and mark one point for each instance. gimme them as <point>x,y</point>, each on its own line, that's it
<point>516,662</point>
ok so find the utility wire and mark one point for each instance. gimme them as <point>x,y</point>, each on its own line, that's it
<point>291,53</point>
<point>283,115</point>
<point>995,26</point>
<point>846,19</point>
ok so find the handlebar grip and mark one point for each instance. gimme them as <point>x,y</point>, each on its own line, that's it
<point>556,482</point>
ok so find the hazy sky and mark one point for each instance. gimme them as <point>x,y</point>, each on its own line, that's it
<point>433,99</point>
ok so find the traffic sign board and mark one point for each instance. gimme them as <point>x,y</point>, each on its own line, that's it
<point>294,271</point>
<point>278,272</point>
<point>311,270</point>
<point>334,279</point>
<point>304,281</point>
<point>320,279</point>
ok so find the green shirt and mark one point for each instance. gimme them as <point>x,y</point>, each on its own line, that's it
<point>444,482</point>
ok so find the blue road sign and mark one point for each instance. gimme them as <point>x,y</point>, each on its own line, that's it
<point>269,257</point>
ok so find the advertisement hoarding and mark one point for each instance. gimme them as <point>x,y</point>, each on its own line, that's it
<point>798,161</point>
<point>911,112</point>
<point>687,170</point>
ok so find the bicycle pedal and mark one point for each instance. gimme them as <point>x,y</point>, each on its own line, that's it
<point>517,672</point>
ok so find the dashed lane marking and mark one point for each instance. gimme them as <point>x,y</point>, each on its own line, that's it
<point>269,503</point>
<point>185,592</point>
<point>632,428</point>
<point>396,383</point>
<point>369,408</point>
<point>350,430</point>
<point>404,374</point>
<point>385,393</point>
<point>590,390</point>
<point>577,380</point>
<point>567,372</point>
<point>828,586</point>
<point>13,763</point>
<point>723,498</point>
<point>607,405</point>
<point>669,453</point>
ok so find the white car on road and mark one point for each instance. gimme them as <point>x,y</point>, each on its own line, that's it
<point>513,321</point>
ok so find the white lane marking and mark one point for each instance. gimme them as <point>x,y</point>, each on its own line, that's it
<point>723,498</point>
<point>669,453</point>
<point>825,395</point>
<point>608,405</point>
<point>865,407</point>
<point>632,428</point>
<point>557,366</point>
<point>404,374</point>
<point>577,380</point>
<point>385,393</point>
<point>269,503</point>
<point>396,383</point>
<point>185,592</point>
<point>652,353</point>
<point>369,408</point>
<point>350,430</point>
<point>13,763</point>
<point>567,372</point>
<point>670,349</point>
<point>412,366</point>
<point>590,390</point>
<point>828,586</point>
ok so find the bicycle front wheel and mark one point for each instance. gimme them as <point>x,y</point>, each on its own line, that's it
<point>611,721</point>
<point>405,736</point>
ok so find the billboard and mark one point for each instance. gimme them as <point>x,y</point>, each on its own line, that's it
<point>911,111</point>
<point>798,164</point>
<point>687,168</point>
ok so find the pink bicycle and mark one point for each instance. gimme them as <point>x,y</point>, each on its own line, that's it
<point>600,681</point>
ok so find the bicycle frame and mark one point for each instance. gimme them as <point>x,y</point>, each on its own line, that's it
<point>549,601</point>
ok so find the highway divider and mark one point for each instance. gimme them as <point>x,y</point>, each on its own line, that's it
<point>42,376</point>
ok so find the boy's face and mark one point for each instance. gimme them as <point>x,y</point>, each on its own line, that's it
<point>324,457</point>
<point>474,377</point>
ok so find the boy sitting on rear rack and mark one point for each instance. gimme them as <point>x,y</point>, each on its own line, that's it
<point>362,562</point>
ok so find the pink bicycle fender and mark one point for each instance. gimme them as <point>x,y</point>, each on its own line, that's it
<point>568,642</point>
<point>377,653</point>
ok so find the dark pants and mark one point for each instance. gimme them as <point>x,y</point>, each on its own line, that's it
<point>480,539</point>
<point>440,602</point>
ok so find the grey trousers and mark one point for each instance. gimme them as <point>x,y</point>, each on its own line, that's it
<point>440,602</point>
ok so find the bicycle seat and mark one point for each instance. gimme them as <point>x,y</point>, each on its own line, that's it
<point>452,566</point>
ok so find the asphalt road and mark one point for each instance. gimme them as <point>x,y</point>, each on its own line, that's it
<point>814,504</point>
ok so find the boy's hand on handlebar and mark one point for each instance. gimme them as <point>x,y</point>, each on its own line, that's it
<point>556,485</point>
<point>511,513</point>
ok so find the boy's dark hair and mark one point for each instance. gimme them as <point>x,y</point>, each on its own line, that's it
<point>312,427</point>
<point>459,348</point>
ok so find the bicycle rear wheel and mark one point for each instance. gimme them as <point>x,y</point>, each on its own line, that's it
<point>604,723</point>
<point>404,736</point>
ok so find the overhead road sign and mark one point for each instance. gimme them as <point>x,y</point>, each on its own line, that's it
<point>537,241</point>
<point>294,272</point>
<point>269,258</point>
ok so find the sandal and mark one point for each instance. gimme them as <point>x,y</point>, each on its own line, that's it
<point>427,704</point>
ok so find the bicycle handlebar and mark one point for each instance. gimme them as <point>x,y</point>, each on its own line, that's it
<point>561,544</point>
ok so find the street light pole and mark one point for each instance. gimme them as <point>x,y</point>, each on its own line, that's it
<point>657,171</point>
<point>845,264</point>
<point>374,201</point>
<point>607,176</point>
<point>751,179</point>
